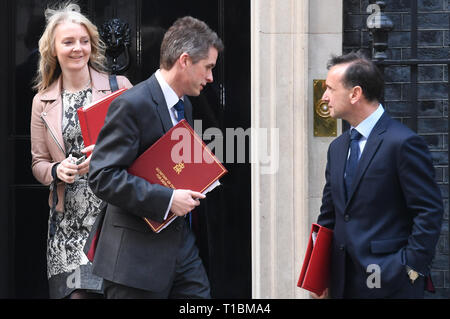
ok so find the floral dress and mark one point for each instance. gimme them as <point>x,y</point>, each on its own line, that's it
<point>68,268</point>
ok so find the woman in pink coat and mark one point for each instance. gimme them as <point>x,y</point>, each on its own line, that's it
<point>70,75</point>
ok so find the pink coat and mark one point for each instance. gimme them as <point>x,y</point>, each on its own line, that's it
<point>47,145</point>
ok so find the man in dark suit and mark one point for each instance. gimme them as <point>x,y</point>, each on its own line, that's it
<point>380,197</point>
<point>134,261</point>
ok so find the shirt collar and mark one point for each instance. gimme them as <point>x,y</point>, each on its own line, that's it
<point>169,94</point>
<point>366,126</point>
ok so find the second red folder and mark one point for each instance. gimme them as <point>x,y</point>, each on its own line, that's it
<point>315,273</point>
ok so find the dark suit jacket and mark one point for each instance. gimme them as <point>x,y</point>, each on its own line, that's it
<point>393,215</point>
<point>128,252</point>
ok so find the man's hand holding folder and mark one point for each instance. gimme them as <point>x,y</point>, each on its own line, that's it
<point>184,201</point>
<point>323,296</point>
<point>315,272</point>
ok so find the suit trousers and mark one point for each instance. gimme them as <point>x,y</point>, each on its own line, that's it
<point>189,281</point>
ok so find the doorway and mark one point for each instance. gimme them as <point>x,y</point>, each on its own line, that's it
<point>224,217</point>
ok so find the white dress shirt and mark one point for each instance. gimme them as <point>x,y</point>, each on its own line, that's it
<point>169,95</point>
<point>171,99</point>
<point>366,127</point>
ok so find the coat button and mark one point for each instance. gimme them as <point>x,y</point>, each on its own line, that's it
<point>45,114</point>
<point>342,247</point>
<point>346,217</point>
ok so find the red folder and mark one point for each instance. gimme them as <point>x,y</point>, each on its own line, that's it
<point>196,167</point>
<point>92,117</point>
<point>315,272</point>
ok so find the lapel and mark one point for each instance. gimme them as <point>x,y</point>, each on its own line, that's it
<point>100,84</point>
<point>372,145</point>
<point>188,111</point>
<point>52,112</point>
<point>161,105</point>
<point>341,160</point>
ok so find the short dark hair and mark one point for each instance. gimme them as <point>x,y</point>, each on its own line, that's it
<point>188,35</point>
<point>361,72</point>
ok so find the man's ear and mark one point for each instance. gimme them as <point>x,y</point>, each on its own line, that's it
<point>356,94</point>
<point>184,60</point>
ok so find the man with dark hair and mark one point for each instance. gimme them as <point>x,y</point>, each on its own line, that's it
<point>134,261</point>
<point>380,197</point>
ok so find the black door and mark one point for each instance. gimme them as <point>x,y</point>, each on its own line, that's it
<point>224,217</point>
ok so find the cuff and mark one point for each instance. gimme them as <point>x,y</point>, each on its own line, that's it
<point>54,175</point>
<point>410,268</point>
<point>168,208</point>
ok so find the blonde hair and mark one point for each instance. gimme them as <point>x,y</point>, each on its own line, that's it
<point>49,68</point>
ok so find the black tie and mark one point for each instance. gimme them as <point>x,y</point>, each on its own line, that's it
<point>352,161</point>
<point>179,107</point>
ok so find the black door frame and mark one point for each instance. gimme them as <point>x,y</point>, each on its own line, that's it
<point>228,213</point>
<point>6,227</point>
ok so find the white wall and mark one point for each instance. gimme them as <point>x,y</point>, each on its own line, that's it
<point>291,42</point>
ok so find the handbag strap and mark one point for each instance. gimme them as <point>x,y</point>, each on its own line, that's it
<point>113,82</point>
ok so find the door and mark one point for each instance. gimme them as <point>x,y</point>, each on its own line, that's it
<point>223,230</point>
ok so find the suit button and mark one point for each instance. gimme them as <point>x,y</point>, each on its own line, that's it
<point>346,217</point>
<point>342,247</point>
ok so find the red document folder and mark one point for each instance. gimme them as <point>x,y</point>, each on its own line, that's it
<point>197,168</point>
<point>315,272</point>
<point>92,117</point>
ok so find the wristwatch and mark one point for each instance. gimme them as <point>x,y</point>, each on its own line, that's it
<point>413,275</point>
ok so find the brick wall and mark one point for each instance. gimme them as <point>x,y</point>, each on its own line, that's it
<point>432,109</point>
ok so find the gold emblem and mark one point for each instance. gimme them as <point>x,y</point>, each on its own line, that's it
<point>324,124</point>
<point>179,168</point>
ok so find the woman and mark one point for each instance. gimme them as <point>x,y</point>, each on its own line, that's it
<point>70,75</point>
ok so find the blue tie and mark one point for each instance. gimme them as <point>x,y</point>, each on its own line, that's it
<point>179,107</point>
<point>352,161</point>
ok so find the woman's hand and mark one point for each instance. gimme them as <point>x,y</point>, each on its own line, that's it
<point>67,170</point>
<point>83,168</point>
